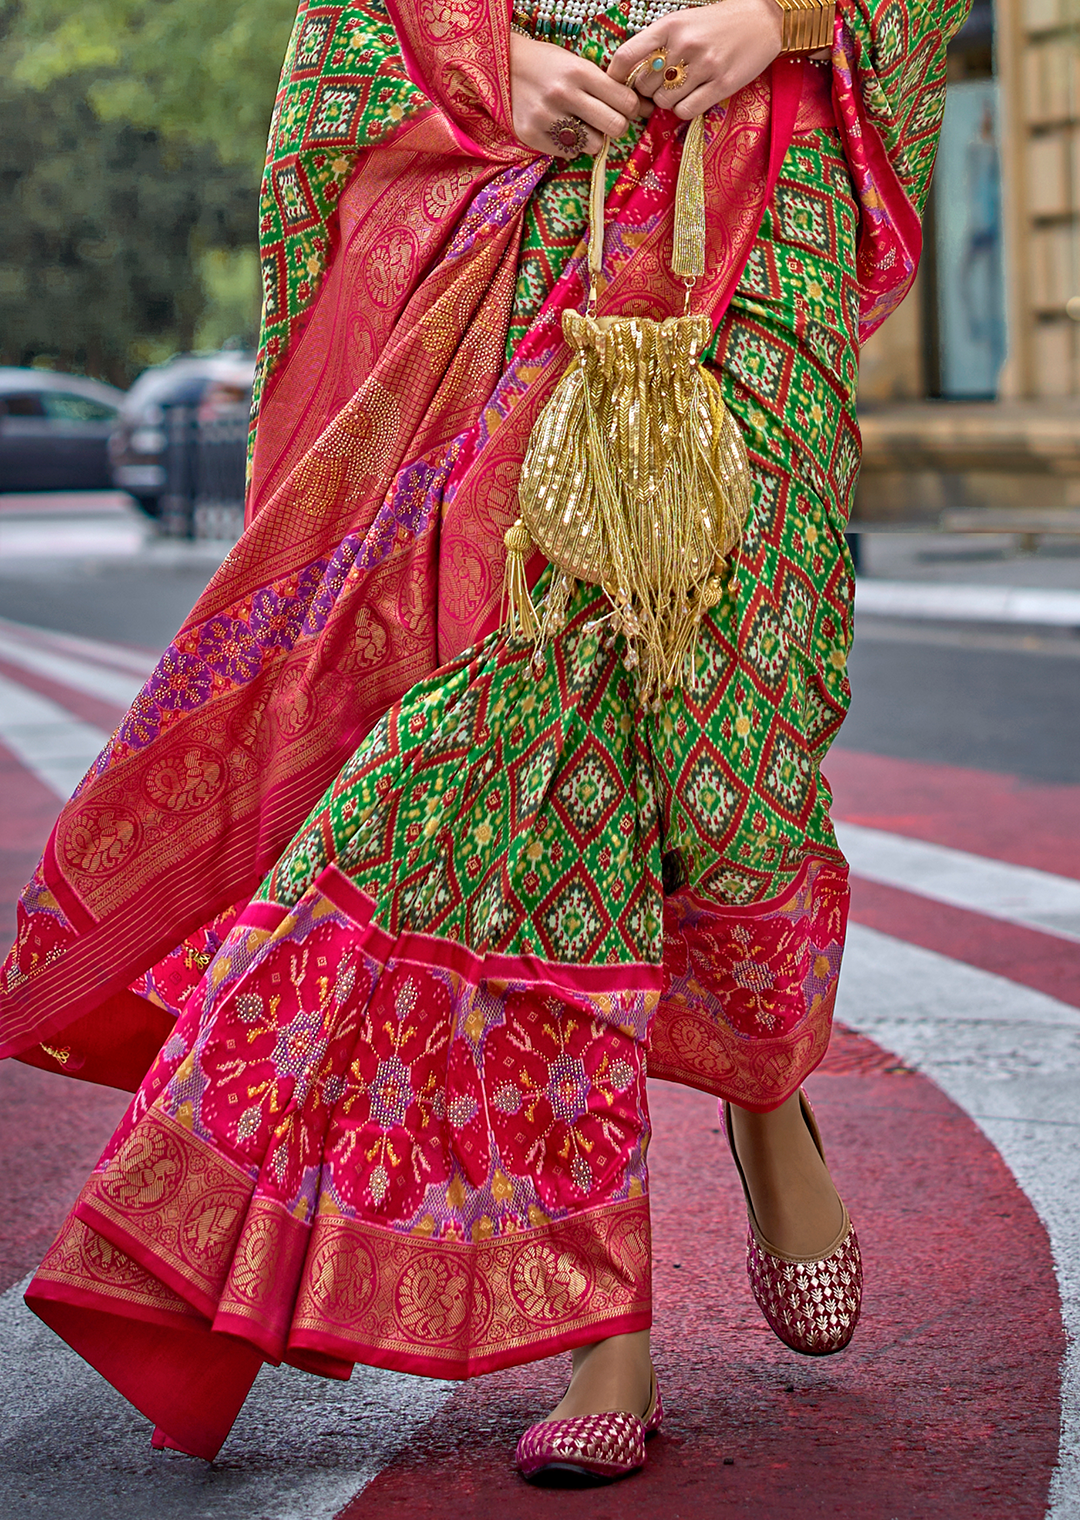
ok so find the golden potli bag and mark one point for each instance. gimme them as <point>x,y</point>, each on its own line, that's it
<point>635,477</point>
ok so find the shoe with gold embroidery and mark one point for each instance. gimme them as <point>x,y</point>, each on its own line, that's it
<point>811,1302</point>
<point>590,1448</point>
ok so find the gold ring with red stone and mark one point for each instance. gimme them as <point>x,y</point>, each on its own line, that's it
<point>674,75</point>
<point>570,135</point>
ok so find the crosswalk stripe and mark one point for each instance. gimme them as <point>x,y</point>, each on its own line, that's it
<point>336,1436</point>
<point>95,680</point>
<point>118,539</point>
<point>1005,1053</point>
<point>1018,894</point>
<point>58,748</point>
<point>959,603</point>
<point>1010,1057</point>
<point>116,656</point>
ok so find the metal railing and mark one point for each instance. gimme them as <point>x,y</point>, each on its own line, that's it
<point>204,474</point>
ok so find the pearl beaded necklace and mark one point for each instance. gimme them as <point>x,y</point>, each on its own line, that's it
<point>562,20</point>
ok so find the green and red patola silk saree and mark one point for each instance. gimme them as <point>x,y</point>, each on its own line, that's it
<point>379,917</point>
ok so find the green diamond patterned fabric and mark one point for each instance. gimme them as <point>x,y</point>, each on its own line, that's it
<point>540,813</point>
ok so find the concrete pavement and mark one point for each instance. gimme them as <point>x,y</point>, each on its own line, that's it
<point>925,557</point>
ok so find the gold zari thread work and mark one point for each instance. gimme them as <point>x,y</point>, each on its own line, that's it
<point>635,478</point>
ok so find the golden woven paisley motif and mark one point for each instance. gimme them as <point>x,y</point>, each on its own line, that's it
<point>636,477</point>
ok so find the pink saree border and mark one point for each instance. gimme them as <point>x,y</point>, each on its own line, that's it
<point>890,234</point>
<point>173,1233</point>
<point>473,967</point>
<point>565,978</point>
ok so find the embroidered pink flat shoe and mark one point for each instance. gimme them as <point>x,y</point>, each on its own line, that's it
<point>591,1448</point>
<point>811,1302</point>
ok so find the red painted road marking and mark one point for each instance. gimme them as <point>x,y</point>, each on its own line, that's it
<point>27,813</point>
<point>52,1132</point>
<point>921,1417</point>
<point>1026,823</point>
<point>104,715</point>
<point>1042,961</point>
<point>945,1405</point>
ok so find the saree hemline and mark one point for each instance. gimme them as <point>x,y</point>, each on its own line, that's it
<point>46,1288</point>
<point>667,1059</point>
<point>171,1235</point>
<point>583,1332</point>
<point>191,1382</point>
<point>454,1308</point>
<point>747,1019</point>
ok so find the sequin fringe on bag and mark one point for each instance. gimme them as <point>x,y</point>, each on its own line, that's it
<point>636,477</point>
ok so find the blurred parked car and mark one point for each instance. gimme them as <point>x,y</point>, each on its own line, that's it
<point>212,385</point>
<point>54,431</point>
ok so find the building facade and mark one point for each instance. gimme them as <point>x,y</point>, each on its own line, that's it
<point>996,310</point>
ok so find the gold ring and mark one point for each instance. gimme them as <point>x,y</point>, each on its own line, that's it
<point>570,135</point>
<point>674,75</point>
<point>651,64</point>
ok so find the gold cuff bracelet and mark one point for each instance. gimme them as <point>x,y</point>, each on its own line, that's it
<point>808,25</point>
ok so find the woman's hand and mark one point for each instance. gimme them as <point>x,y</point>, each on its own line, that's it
<point>548,84</point>
<point>723,46</point>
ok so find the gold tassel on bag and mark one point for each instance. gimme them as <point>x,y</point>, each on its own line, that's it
<point>636,477</point>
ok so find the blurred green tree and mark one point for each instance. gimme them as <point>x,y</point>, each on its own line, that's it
<point>105,230</point>
<point>195,67</point>
<point>133,140</point>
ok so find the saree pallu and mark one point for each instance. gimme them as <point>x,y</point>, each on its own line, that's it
<point>401,1115</point>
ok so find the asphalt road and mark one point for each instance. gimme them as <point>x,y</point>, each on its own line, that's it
<point>999,701</point>
<point>951,1119</point>
<point>1003,701</point>
<point>139,601</point>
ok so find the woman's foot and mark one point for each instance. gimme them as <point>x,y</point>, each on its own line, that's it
<point>613,1374</point>
<point>797,1207</point>
<point>597,1433</point>
<point>802,1253</point>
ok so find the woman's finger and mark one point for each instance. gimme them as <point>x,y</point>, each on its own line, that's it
<point>668,94</point>
<point>634,51</point>
<point>601,102</point>
<point>600,116</point>
<point>698,101</point>
<point>617,97</point>
<point>719,49</point>
<point>566,105</point>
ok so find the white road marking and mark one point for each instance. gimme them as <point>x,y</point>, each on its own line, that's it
<point>1007,1055</point>
<point>111,685</point>
<point>109,538</point>
<point>94,650</point>
<point>301,1448</point>
<point>1010,1058</point>
<point>967,604</point>
<point>1018,894</point>
<point>58,748</point>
